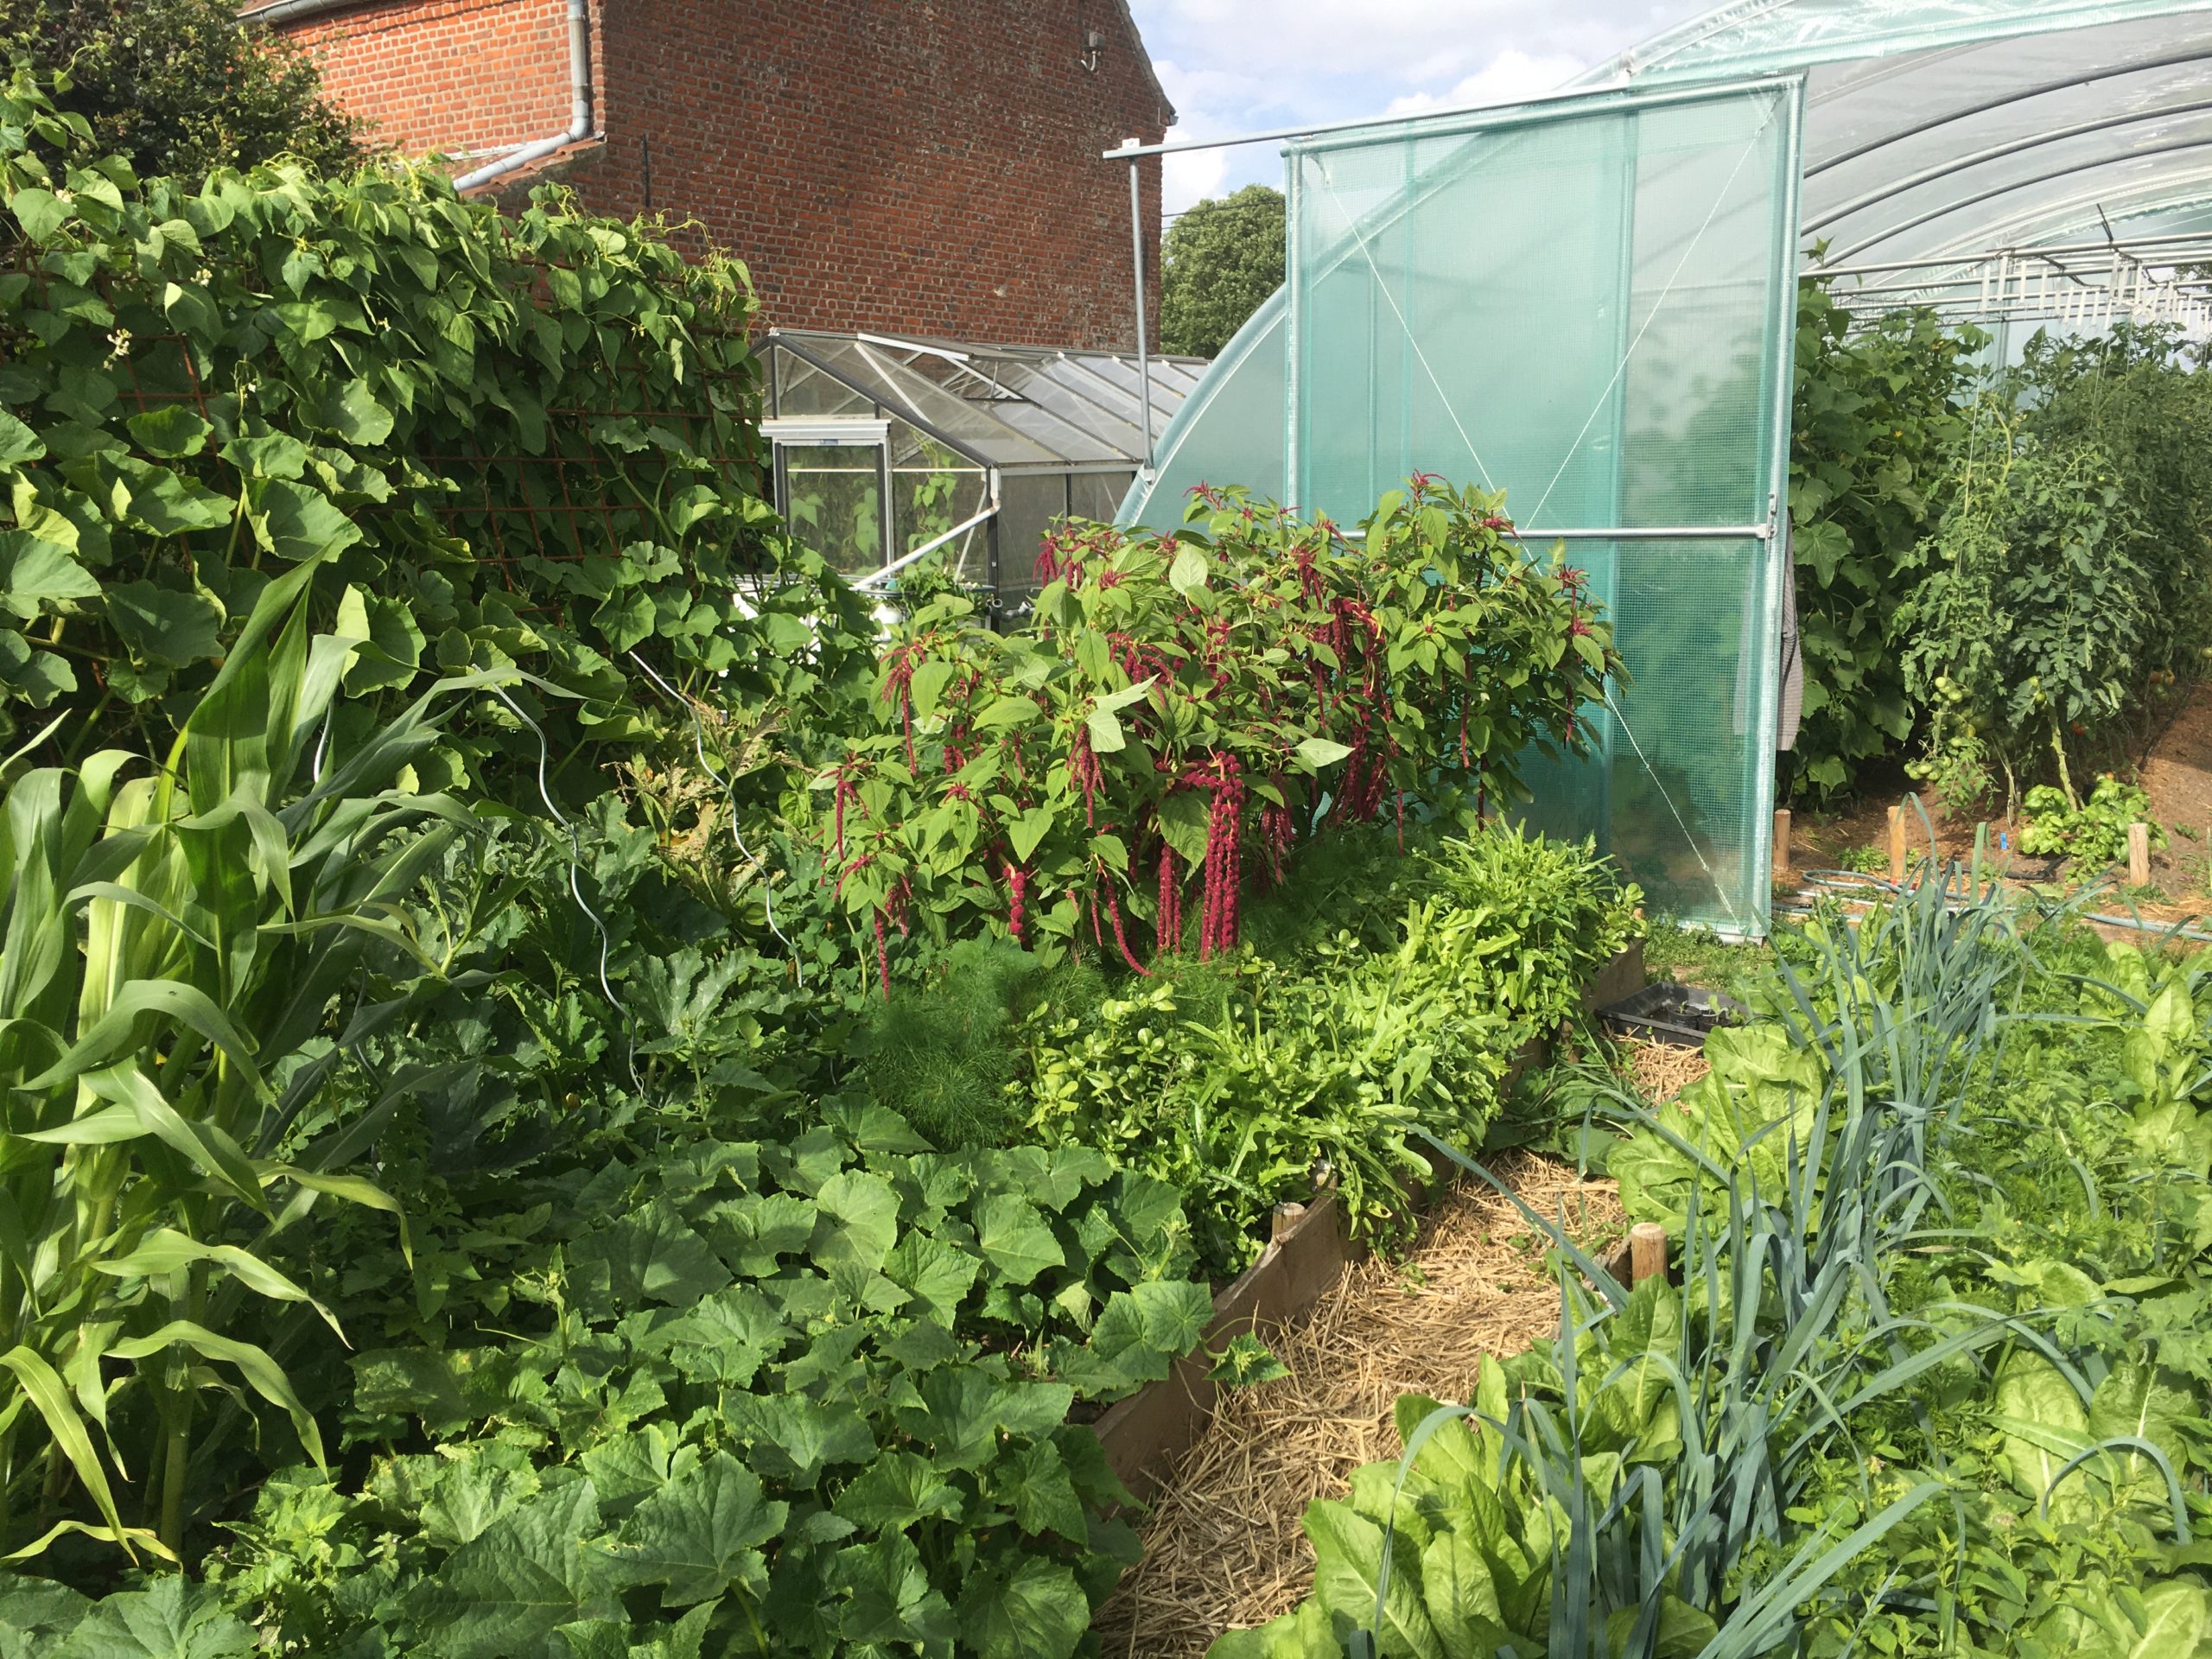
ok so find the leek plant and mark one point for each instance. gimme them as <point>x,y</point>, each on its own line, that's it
<point>176,945</point>
<point>1627,1490</point>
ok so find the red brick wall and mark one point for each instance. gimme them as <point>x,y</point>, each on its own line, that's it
<point>917,166</point>
<point>452,75</point>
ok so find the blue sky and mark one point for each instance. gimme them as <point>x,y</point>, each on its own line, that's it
<point>1239,65</point>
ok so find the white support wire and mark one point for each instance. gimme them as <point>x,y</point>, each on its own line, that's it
<point>1773,107</point>
<point>575,887</point>
<point>1720,891</point>
<point>1321,162</point>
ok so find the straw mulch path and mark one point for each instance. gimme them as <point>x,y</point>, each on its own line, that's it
<point>1660,1070</point>
<point>1223,1546</point>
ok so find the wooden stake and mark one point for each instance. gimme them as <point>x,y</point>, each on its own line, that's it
<point>2138,854</point>
<point>1896,844</point>
<point>1782,845</point>
<point>1646,1251</point>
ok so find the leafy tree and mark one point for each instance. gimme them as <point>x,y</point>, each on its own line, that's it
<point>178,87</point>
<point>1221,260</point>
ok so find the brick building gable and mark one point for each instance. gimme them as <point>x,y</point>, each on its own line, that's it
<point>906,168</point>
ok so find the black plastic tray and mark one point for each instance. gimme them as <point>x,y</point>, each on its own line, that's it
<point>1683,1015</point>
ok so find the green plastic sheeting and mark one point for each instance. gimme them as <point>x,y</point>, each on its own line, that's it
<point>1566,301</point>
<point>1587,305</point>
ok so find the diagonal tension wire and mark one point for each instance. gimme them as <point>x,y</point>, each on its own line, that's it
<point>575,885</point>
<point>1383,286</point>
<point>1719,892</point>
<point>729,795</point>
<point>1774,106</point>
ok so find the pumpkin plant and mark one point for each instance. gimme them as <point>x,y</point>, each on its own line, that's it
<point>1183,709</point>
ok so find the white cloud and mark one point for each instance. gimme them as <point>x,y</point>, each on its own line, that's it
<point>1510,76</point>
<point>1245,66</point>
<point>1190,177</point>
<point>1198,95</point>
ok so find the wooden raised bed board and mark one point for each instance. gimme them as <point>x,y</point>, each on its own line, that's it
<point>1307,1253</point>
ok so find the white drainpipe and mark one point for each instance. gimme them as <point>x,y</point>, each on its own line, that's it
<point>579,127</point>
<point>580,115</point>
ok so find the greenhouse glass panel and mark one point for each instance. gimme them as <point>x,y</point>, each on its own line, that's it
<point>833,495</point>
<point>934,491</point>
<point>1589,306</point>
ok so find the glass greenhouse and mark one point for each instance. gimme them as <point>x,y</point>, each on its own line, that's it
<point>1589,302</point>
<point>887,449</point>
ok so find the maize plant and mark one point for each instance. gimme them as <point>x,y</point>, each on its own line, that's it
<point>175,944</point>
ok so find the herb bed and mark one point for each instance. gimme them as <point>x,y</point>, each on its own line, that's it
<point>1307,1255</point>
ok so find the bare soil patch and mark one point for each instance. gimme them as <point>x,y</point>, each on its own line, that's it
<point>2175,770</point>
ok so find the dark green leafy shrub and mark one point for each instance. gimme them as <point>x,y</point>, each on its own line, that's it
<point>1877,424</point>
<point>180,87</point>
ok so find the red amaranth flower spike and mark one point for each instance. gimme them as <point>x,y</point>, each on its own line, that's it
<point>846,791</point>
<point>1086,773</point>
<point>1217,928</point>
<point>1114,911</point>
<point>1169,923</point>
<point>899,680</point>
<point>1017,883</point>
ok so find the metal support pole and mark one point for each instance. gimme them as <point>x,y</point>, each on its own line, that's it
<point>1136,260</point>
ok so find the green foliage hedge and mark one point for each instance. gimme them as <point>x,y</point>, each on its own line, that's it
<point>1995,566</point>
<point>180,87</point>
<point>527,443</point>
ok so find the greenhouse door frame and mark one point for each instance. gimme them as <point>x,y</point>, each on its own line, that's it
<point>1619,174</point>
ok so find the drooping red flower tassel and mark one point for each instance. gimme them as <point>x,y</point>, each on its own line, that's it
<point>1169,925</point>
<point>1086,774</point>
<point>1218,923</point>
<point>1114,912</point>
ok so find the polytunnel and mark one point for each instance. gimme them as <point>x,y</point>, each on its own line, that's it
<point>1588,301</point>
